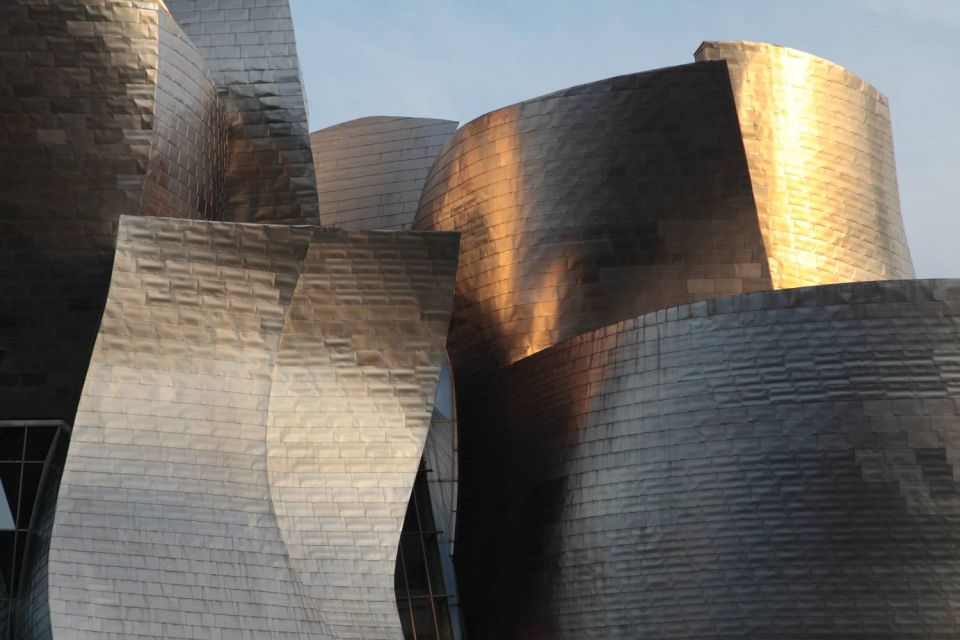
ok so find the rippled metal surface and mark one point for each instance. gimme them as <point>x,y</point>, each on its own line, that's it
<point>370,171</point>
<point>773,465</point>
<point>591,205</point>
<point>250,48</point>
<point>249,432</point>
<point>188,155</point>
<point>820,149</point>
<point>77,114</point>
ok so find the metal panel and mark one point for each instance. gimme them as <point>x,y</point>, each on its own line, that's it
<point>370,171</point>
<point>249,432</point>
<point>772,465</point>
<point>250,48</point>
<point>350,405</point>
<point>591,205</point>
<point>164,524</point>
<point>185,177</point>
<point>820,150</point>
<point>77,115</point>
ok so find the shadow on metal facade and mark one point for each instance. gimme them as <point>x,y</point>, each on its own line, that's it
<point>591,205</point>
<point>370,171</point>
<point>773,465</point>
<point>250,48</point>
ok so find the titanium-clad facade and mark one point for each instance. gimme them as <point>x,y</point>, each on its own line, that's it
<point>370,171</point>
<point>773,465</point>
<point>820,149</point>
<point>591,205</point>
<point>249,433</point>
<point>250,48</point>
<point>219,420</point>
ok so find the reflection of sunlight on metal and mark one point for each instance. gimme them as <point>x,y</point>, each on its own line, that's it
<point>820,149</point>
<point>594,204</point>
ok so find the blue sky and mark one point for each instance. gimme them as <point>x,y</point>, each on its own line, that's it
<point>458,59</point>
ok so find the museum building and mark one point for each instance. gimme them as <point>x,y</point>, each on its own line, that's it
<point>644,357</point>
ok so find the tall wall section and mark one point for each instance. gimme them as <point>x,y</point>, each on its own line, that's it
<point>820,149</point>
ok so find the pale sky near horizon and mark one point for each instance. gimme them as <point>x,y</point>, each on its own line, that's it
<point>458,59</point>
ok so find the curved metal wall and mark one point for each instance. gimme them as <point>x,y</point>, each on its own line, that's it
<point>591,205</point>
<point>165,525</point>
<point>78,113</point>
<point>185,177</point>
<point>820,149</point>
<point>778,464</point>
<point>250,48</point>
<point>370,171</point>
<point>350,405</point>
<point>249,432</point>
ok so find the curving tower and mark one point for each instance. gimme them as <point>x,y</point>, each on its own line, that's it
<point>820,149</point>
<point>594,204</point>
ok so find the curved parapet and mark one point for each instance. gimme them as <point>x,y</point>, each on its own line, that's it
<point>591,205</point>
<point>820,150</point>
<point>352,395</point>
<point>249,432</point>
<point>780,464</point>
<point>370,171</point>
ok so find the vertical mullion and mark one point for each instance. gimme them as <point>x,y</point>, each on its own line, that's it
<point>406,586</point>
<point>426,563</point>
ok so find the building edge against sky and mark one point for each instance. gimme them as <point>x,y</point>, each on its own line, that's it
<point>267,441</point>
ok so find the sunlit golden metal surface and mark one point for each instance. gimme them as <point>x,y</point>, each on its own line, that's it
<point>591,205</point>
<point>820,150</point>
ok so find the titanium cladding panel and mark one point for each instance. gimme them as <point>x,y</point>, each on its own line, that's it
<point>772,465</point>
<point>250,48</point>
<point>350,405</point>
<point>246,445</point>
<point>591,205</point>
<point>370,171</point>
<point>185,177</point>
<point>77,114</point>
<point>820,150</point>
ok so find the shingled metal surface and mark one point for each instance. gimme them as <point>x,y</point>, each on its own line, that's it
<point>592,205</point>
<point>249,432</point>
<point>185,178</point>
<point>772,465</point>
<point>350,405</point>
<point>370,171</point>
<point>77,84</point>
<point>820,150</point>
<point>251,50</point>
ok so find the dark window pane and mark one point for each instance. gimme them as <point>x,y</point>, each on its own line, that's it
<point>11,443</point>
<point>38,442</point>
<point>10,477</point>
<point>6,560</point>
<point>28,492</point>
<point>423,619</point>
<point>404,607</point>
